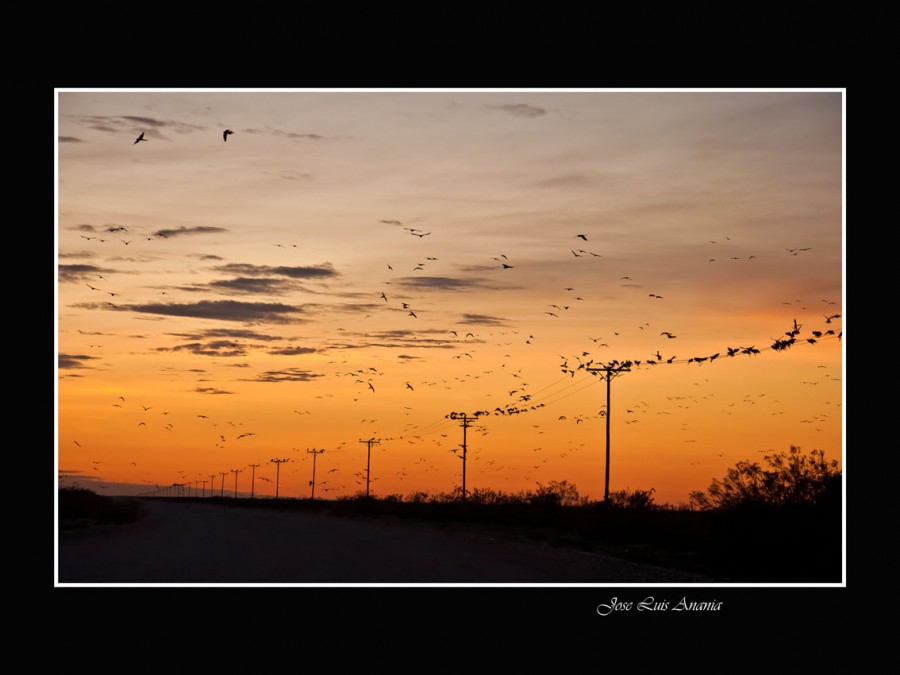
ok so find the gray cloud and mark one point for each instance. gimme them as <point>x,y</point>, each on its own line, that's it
<point>84,227</point>
<point>213,348</point>
<point>287,375</point>
<point>73,360</point>
<point>209,257</point>
<point>576,179</point>
<point>223,310</point>
<point>74,273</point>
<point>69,139</point>
<point>253,285</point>
<point>211,390</point>
<point>202,229</point>
<point>78,254</point>
<point>520,110</point>
<point>324,270</point>
<point>397,339</point>
<point>293,351</point>
<point>233,333</point>
<point>441,283</point>
<point>483,320</point>
<point>286,134</point>
<point>131,123</point>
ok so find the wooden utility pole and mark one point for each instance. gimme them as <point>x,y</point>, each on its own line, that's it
<point>235,472</point>
<point>314,453</point>
<point>369,443</point>
<point>278,463</point>
<point>465,425</point>
<point>609,373</point>
<point>223,474</point>
<point>252,478</point>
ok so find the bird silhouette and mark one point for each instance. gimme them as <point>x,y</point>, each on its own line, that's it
<point>140,138</point>
<point>225,134</point>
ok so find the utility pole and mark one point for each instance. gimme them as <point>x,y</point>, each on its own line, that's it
<point>369,443</point>
<point>314,453</point>
<point>610,373</point>
<point>252,478</point>
<point>203,491</point>
<point>212,482</point>
<point>465,425</point>
<point>278,463</point>
<point>223,474</point>
<point>235,472</point>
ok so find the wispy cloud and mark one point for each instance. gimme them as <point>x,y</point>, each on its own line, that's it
<point>74,360</point>
<point>223,310</point>
<point>577,179</point>
<point>397,339</point>
<point>211,390</point>
<point>286,134</point>
<point>483,320</point>
<point>325,270</point>
<point>212,348</point>
<point>180,231</point>
<point>253,285</point>
<point>287,375</point>
<point>84,227</point>
<point>442,283</point>
<point>293,351</point>
<point>520,110</point>
<point>78,254</point>
<point>69,139</point>
<point>228,333</point>
<point>151,126</point>
<point>208,256</point>
<point>74,273</point>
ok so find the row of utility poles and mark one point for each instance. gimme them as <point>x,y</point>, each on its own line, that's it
<point>607,373</point>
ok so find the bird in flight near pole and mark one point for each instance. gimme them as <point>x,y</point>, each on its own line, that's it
<point>225,134</point>
<point>140,138</point>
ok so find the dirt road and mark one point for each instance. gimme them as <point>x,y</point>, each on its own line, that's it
<point>191,543</point>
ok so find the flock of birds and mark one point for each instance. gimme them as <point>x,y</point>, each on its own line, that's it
<point>519,399</point>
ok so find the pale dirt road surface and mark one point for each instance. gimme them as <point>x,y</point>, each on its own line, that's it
<point>193,543</point>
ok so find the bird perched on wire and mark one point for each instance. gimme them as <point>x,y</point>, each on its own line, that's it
<point>225,134</point>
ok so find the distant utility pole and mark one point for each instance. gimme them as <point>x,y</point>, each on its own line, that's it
<point>252,478</point>
<point>610,373</point>
<point>465,425</point>
<point>278,463</point>
<point>203,491</point>
<point>314,453</point>
<point>235,472</point>
<point>223,474</point>
<point>212,483</point>
<point>370,443</point>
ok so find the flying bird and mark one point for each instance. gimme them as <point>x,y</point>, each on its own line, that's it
<point>413,314</point>
<point>225,134</point>
<point>580,236</point>
<point>139,139</point>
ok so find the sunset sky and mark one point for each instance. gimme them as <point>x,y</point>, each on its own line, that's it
<point>355,265</point>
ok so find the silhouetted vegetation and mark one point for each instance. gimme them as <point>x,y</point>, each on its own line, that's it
<point>81,507</point>
<point>792,535</point>
<point>791,479</point>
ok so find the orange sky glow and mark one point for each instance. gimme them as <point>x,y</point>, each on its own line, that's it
<point>354,265</point>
